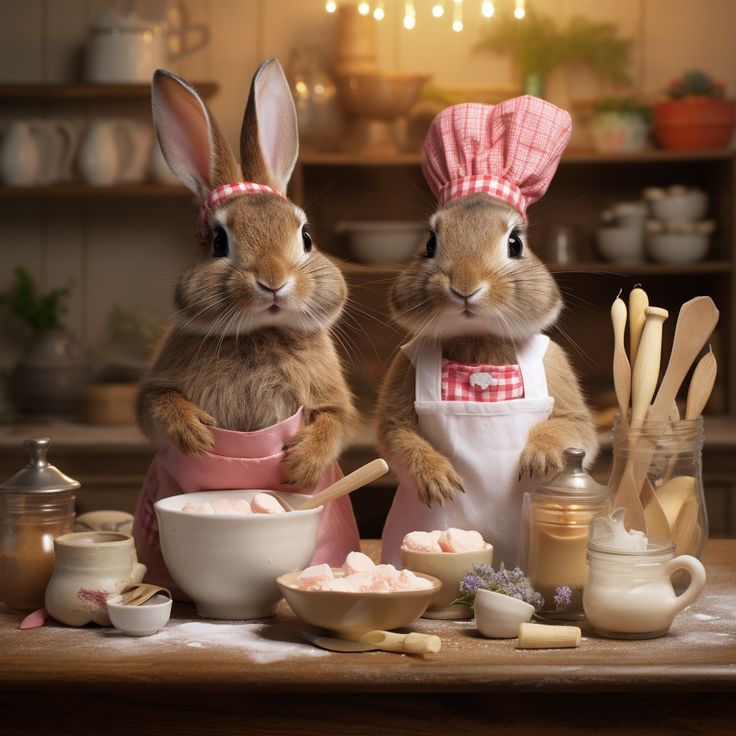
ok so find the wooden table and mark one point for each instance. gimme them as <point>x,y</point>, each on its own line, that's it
<point>199,677</point>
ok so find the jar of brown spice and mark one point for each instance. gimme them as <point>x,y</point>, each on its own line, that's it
<point>36,506</point>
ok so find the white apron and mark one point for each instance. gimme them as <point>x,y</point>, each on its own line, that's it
<point>483,441</point>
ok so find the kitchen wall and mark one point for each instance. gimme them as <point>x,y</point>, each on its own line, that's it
<point>127,252</point>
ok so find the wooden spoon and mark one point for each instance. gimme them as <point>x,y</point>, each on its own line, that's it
<point>137,593</point>
<point>701,386</point>
<point>351,482</point>
<point>695,323</point>
<point>621,366</point>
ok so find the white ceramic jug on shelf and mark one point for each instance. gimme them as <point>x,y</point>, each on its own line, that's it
<point>134,167</point>
<point>20,159</point>
<point>56,141</point>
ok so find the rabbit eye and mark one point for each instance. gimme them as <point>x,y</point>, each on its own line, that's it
<point>220,244</point>
<point>516,245</point>
<point>307,239</point>
<point>431,245</point>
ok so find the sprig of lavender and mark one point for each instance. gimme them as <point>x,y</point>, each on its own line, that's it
<point>509,582</point>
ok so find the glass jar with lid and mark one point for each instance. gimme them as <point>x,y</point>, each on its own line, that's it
<point>36,506</point>
<point>555,520</point>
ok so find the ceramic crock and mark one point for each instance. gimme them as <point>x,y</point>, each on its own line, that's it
<point>90,566</point>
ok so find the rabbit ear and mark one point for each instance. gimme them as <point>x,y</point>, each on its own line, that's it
<point>191,142</point>
<point>269,141</point>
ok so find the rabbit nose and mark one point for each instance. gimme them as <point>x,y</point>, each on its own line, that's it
<point>280,290</point>
<point>466,297</point>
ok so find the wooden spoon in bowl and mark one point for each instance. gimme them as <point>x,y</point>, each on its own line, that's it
<point>351,482</point>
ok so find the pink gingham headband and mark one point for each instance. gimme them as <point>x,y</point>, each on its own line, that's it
<point>510,150</point>
<point>221,194</point>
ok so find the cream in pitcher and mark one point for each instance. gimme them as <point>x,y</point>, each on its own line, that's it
<point>629,593</point>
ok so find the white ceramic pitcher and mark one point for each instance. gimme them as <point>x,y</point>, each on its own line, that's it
<point>629,593</point>
<point>88,567</point>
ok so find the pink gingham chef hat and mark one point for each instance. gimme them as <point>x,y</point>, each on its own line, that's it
<point>510,150</point>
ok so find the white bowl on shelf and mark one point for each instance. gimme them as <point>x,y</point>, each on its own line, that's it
<point>690,204</point>
<point>621,244</point>
<point>677,247</point>
<point>383,241</point>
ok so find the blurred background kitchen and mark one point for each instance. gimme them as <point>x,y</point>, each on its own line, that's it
<point>95,229</point>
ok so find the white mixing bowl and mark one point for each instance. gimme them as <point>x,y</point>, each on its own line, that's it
<point>228,563</point>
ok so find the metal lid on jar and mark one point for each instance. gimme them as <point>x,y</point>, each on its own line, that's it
<point>573,481</point>
<point>38,476</point>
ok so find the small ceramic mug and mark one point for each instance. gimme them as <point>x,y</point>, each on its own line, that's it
<point>89,567</point>
<point>629,593</point>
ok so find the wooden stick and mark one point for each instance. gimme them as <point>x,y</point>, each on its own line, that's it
<point>638,302</point>
<point>413,643</point>
<point>541,636</point>
<point>356,479</point>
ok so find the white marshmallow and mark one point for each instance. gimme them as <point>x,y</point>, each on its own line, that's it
<point>358,562</point>
<point>265,503</point>
<point>460,540</point>
<point>422,542</point>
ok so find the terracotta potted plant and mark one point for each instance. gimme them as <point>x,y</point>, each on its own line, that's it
<point>696,115</point>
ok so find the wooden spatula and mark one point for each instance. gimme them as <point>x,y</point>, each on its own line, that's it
<point>638,302</point>
<point>701,386</point>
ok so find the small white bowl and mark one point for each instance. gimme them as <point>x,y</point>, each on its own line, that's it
<point>621,244</point>
<point>383,242</point>
<point>630,214</point>
<point>498,615</point>
<point>690,204</point>
<point>677,247</point>
<point>144,620</point>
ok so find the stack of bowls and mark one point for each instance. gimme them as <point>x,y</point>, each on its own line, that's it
<point>621,235</point>
<point>677,232</point>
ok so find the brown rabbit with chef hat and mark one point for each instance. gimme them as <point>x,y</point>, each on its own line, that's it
<point>247,390</point>
<point>480,405</point>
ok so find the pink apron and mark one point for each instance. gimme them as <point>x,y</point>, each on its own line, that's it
<point>483,441</point>
<point>239,460</point>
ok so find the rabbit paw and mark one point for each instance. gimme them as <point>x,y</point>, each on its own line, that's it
<point>306,459</point>
<point>542,456</point>
<point>191,435</point>
<point>436,480</point>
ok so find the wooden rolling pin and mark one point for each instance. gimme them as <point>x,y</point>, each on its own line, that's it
<point>541,636</point>
<point>646,368</point>
<point>413,643</point>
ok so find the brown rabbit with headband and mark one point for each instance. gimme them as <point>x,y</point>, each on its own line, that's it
<point>249,370</point>
<point>475,300</point>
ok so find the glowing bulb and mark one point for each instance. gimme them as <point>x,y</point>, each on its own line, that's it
<point>330,6</point>
<point>457,26</point>
<point>519,11</point>
<point>364,8</point>
<point>457,16</point>
<point>487,9</point>
<point>410,16</point>
<point>379,13</point>
<point>438,10</point>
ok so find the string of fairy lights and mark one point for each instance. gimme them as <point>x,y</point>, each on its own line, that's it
<point>452,8</point>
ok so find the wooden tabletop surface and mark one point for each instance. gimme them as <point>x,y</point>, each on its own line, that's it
<point>269,655</point>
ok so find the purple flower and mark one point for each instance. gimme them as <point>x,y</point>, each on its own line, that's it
<point>563,596</point>
<point>469,584</point>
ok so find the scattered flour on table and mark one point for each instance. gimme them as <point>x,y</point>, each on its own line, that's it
<point>248,638</point>
<point>705,617</point>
